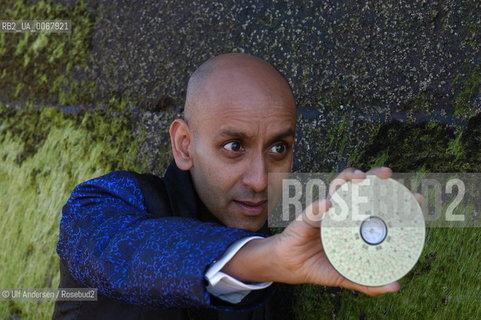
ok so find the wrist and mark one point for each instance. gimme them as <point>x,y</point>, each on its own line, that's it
<point>254,262</point>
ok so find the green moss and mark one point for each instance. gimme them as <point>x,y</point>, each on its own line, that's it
<point>379,161</point>
<point>474,30</point>
<point>470,88</point>
<point>430,290</point>
<point>338,137</point>
<point>433,147</point>
<point>455,147</point>
<point>37,67</point>
<point>316,302</point>
<point>43,157</point>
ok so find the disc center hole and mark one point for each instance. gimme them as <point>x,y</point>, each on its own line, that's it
<point>373,230</point>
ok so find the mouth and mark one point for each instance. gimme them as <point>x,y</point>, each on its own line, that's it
<point>252,208</point>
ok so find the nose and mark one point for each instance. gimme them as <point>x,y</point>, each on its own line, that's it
<point>255,176</point>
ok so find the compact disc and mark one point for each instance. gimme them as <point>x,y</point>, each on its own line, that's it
<point>374,232</point>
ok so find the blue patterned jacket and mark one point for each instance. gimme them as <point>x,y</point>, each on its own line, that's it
<point>145,243</point>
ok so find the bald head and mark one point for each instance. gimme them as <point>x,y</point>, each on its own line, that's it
<point>234,74</point>
<point>241,123</point>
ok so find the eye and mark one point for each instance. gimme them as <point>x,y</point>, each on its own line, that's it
<point>234,146</point>
<point>279,148</point>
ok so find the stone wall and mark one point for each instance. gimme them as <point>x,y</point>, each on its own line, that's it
<point>353,65</point>
<point>372,56</point>
<point>393,83</point>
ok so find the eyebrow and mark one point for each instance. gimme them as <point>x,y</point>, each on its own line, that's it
<point>239,134</point>
<point>288,133</point>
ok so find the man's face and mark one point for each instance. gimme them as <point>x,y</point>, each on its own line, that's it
<point>245,131</point>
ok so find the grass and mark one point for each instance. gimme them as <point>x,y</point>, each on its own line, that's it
<point>36,182</point>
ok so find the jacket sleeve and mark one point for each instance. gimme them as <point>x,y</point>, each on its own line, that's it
<point>109,241</point>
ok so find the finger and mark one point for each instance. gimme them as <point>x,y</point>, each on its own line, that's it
<point>380,172</point>
<point>314,212</point>
<point>371,291</point>
<point>346,175</point>
<point>351,173</point>
<point>419,197</point>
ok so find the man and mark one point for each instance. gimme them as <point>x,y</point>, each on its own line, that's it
<point>194,244</point>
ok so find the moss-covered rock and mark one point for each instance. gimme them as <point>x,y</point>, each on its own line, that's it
<point>431,147</point>
<point>374,57</point>
<point>44,154</point>
<point>41,68</point>
<point>377,83</point>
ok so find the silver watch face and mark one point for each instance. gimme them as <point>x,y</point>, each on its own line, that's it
<point>374,232</point>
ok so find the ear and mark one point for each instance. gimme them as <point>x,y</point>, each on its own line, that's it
<point>181,141</point>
